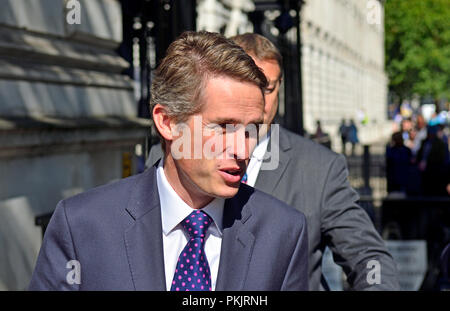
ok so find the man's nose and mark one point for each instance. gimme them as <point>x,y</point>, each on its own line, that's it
<point>237,145</point>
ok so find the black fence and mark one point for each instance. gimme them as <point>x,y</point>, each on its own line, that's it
<point>404,218</point>
<point>422,218</point>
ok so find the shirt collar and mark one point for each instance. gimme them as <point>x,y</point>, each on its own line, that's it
<point>174,209</point>
<point>261,148</point>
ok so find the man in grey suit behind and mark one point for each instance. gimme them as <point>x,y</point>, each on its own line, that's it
<point>313,179</point>
<point>186,223</point>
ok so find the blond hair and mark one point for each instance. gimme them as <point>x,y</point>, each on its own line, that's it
<point>259,47</point>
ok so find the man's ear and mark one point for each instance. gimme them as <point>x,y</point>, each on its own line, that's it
<point>163,122</point>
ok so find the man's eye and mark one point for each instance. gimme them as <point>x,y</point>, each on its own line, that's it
<point>223,126</point>
<point>216,127</point>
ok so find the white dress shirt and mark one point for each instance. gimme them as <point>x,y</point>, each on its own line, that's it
<point>173,211</point>
<point>256,160</point>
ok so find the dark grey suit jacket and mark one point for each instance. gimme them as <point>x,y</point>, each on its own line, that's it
<point>313,179</point>
<point>115,233</point>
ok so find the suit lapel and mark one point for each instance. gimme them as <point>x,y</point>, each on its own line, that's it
<point>143,240</point>
<point>268,179</point>
<point>237,242</point>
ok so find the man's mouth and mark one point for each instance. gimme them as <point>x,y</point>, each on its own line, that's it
<point>232,174</point>
<point>233,171</point>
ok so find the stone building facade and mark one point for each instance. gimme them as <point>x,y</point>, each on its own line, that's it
<point>229,17</point>
<point>343,67</point>
<point>342,46</point>
<point>67,116</point>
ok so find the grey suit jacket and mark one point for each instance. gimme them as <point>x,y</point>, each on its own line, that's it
<point>115,233</point>
<point>313,179</point>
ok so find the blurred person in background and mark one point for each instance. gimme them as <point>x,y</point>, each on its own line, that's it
<point>420,130</point>
<point>398,164</point>
<point>353,135</point>
<point>432,159</point>
<point>442,134</point>
<point>405,127</point>
<point>343,134</point>
<point>320,136</point>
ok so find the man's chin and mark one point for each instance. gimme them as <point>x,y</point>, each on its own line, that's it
<point>228,191</point>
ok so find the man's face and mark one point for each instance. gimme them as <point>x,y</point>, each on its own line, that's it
<point>224,101</point>
<point>272,71</point>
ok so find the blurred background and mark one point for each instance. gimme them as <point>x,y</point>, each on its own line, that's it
<point>366,78</point>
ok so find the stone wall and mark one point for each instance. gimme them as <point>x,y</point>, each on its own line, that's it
<point>343,66</point>
<point>67,116</point>
<point>342,60</point>
<point>226,16</point>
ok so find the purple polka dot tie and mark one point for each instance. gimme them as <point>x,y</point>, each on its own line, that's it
<point>192,272</point>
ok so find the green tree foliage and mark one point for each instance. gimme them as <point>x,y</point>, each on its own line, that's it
<point>418,47</point>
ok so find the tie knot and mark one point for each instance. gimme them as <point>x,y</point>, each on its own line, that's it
<point>196,224</point>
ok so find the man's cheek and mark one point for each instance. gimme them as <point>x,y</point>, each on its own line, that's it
<point>213,147</point>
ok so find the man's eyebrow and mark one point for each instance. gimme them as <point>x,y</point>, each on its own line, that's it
<point>233,121</point>
<point>226,121</point>
<point>259,121</point>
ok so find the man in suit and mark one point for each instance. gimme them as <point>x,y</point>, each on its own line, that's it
<point>187,223</point>
<point>313,179</point>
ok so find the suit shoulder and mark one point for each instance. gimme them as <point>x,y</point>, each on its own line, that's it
<point>304,149</point>
<point>109,194</point>
<point>299,142</point>
<point>270,207</point>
